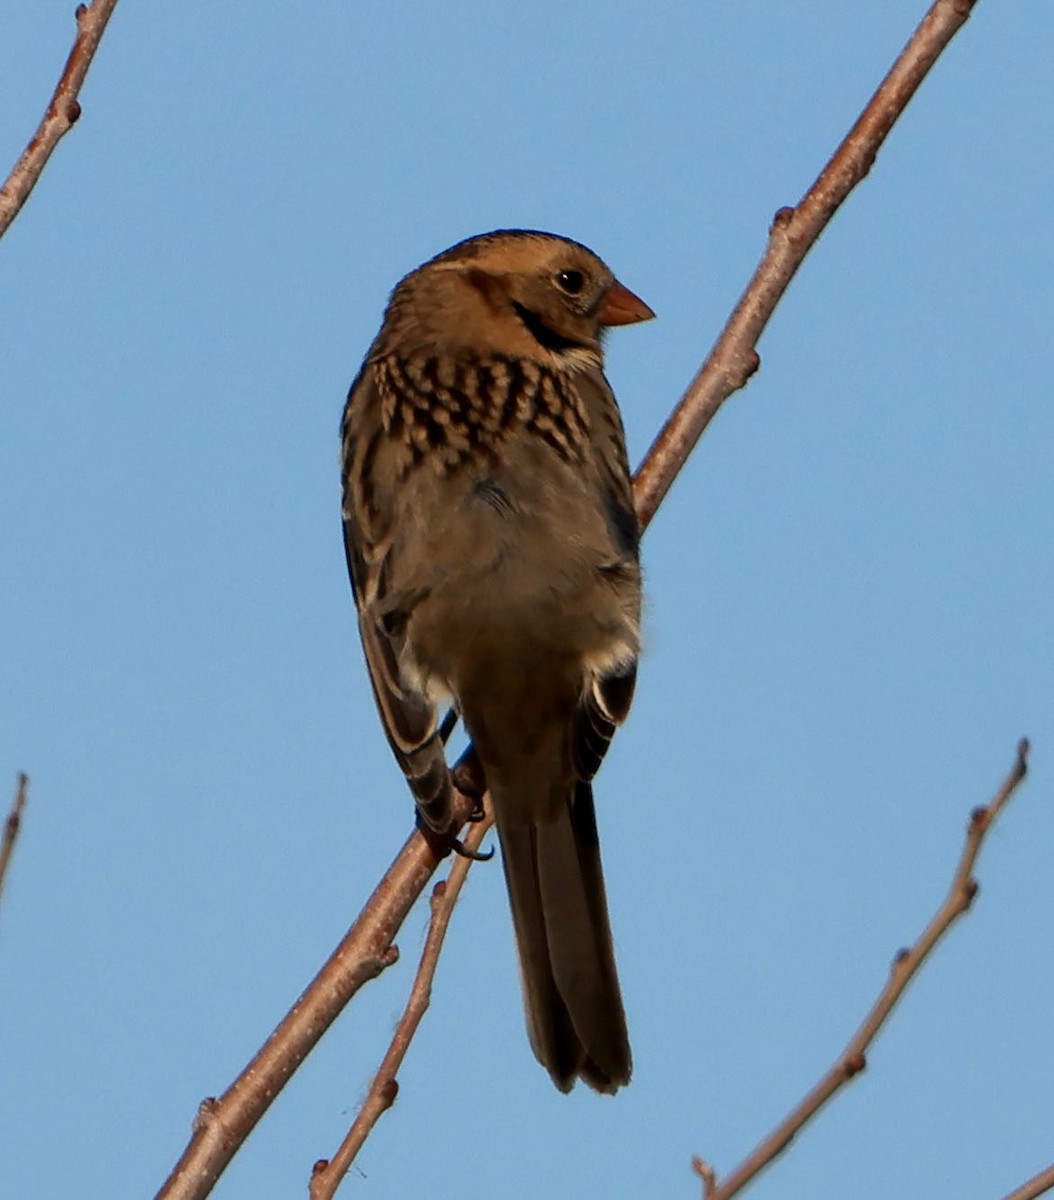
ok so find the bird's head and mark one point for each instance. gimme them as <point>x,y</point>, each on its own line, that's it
<point>516,293</point>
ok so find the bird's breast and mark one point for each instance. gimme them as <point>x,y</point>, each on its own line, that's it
<point>453,411</point>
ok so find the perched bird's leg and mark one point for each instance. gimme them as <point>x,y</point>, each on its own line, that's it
<point>462,851</point>
<point>468,778</point>
<point>443,844</point>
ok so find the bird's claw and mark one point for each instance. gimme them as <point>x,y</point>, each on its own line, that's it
<point>462,851</point>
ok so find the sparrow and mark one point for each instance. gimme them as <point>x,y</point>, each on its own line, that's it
<point>492,545</point>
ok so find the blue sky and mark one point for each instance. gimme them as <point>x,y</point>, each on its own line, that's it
<point>850,590</point>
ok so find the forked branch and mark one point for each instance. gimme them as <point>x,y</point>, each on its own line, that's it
<point>326,1176</point>
<point>906,963</point>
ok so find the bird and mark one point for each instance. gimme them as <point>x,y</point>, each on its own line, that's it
<point>493,549</point>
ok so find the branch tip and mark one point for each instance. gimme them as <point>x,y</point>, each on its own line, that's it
<point>906,962</point>
<point>793,232</point>
<point>61,113</point>
<point>706,1173</point>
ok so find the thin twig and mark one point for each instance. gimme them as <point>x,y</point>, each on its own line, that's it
<point>12,825</point>
<point>853,1059</point>
<point>61,114</point>
<point>794,232</point>
<point>1036,1186</point>
<point>225,1122</point>
<point>326,1176</point>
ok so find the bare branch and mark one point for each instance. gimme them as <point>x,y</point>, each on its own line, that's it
<point>12,825</point>
<point>368,947</point>
<point>853,1059</point>
<point>326,1177</point>
<point>794,232</point>
<point>62,112</point>
<point>223,1123</point>
<point>1036,1186</point>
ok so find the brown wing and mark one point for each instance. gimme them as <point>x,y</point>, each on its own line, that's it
<point>603,707</point>
<point>408,717</point>
<point>606,701</point>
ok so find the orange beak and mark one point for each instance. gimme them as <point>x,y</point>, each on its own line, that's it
<point>621,307</point>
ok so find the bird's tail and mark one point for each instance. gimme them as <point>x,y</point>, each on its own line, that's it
<point>571,993</point>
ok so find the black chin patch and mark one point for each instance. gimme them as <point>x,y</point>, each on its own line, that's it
<point>545,336</point>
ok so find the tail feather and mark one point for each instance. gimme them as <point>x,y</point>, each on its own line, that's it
<point>574,1012</point>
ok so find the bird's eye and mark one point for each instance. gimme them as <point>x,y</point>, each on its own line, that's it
<point>572,282</point>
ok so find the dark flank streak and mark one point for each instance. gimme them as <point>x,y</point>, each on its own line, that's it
<point>623,522</point>
<point>493,494</point>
